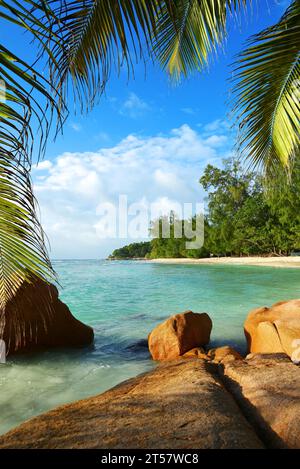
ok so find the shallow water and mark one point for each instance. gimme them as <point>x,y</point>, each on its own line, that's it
<point>123,301</point>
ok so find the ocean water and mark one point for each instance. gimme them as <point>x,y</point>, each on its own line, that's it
<point>123,301</point>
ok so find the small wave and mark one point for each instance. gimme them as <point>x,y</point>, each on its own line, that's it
<point>138,316</point>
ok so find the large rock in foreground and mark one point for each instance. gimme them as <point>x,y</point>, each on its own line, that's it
<point>267,388</point>
<point>179,334</point>
<point>178,405</point>
<point>275,329</point>
<point>36,318</point>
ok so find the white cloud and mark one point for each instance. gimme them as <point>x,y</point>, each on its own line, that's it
<point>217,126</point>
<point>42,165</point>
<point>188,110</point>
<point>161,169</point>
<point>102,137</point>
<point>216,140</point>
<point>134,106</point>
<point>165,179</point>
<point>75,126</point>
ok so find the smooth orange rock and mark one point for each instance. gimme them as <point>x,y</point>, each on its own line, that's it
<point>221,353</point>
<point>275,329</point>
<point>289,335</point>
<point>197,352</point>
<point>267,389</point>
<point>178,405</point>
<point>179,334</point>
<point>266,339</point>
<point>36,318</point>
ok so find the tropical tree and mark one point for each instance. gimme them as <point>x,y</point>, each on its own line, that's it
<point>245,219</point>
<point>83,42</point>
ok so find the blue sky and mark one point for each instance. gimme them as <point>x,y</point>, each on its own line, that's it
<point>146,138</point>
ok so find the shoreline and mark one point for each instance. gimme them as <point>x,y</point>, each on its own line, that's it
<point>283,262</point>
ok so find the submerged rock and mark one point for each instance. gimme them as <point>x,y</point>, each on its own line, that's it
<point>267,388</point>
<point>179,334</point>
<point>36,318</point>
<point>179,405</point>
<point>141,344</point>
<point>275,329</point>
<point>139,349</point>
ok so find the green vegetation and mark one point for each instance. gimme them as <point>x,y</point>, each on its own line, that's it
<point>243,217</point>
<point>246,219</point>
<point>132,251</point>
<point>174,247</point>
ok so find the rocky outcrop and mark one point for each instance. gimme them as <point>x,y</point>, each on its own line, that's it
<point>289,336</point>
<point>267,388</point>
<point>179,334</point>
<point>275,329</point>
<point>180,404</point>
<point>36,318</point>
<point>224,354</point>
<point>215,355</point>
<point>197,352</point>
<point>213,400</point>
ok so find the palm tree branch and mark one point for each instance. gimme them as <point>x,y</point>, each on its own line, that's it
<point>22,247</point>
<point>89,37</point>
<point>185,41</point>
<point>27,108</point>
<point>267,93</point>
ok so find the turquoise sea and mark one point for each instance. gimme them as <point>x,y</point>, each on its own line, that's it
<point>123,301</point>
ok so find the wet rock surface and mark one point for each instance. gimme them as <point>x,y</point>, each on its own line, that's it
<point>180,404</point>
<point>36,318</point>
<point>267,388</point>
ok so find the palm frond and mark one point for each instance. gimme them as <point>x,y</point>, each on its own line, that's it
<point>30,96</point>
<point>22,103</point>
<point>185,40</point>
<point>27,105</point>
<point>267,94</point>
<point>22,249</point>
<point>90,37</point>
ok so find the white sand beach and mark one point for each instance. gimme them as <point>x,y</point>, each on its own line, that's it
<point>287,262</point>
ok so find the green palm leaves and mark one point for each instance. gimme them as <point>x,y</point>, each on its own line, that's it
<point>90,38</point>
<point>268,94</point>
<point>25,97</point>
<point>22,248</point>
<point>185,40</point>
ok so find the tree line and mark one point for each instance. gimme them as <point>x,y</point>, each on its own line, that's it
<point>245,216</point>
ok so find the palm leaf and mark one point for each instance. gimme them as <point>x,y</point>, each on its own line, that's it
<point>22,249</point>
<point>30,96</point>
<point>29,100</point>
<point>267,94</point>
<point>90,37</point>
<point>185,40</point>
